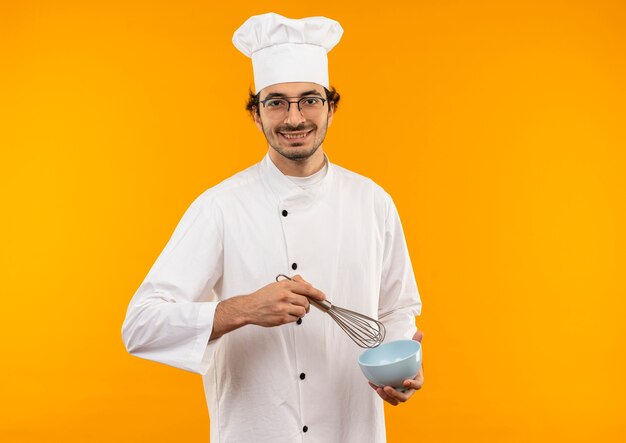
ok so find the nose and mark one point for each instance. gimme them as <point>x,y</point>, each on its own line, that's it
<point>294,117</point>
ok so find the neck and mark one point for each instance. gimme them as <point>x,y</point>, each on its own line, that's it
<point>298,168</point>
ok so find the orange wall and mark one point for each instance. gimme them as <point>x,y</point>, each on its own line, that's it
<point>498,128</point>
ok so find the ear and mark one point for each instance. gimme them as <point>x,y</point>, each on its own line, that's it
<point>331,112</point>
<point>257,119</point>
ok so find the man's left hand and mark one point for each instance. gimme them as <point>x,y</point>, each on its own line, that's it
<point>395,397</point>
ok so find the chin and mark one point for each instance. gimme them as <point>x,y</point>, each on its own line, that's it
<point>298,147</point>
<point>294,152</point>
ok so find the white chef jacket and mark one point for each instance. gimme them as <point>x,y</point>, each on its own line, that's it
<point>298,382</point>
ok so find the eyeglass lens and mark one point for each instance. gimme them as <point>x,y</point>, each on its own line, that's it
<point>309,107</point>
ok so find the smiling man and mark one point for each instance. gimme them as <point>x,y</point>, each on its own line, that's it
<point>272,370</point>
<point>295,119</point>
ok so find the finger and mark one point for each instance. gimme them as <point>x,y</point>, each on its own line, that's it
<point>303,288</point>
<point>417,382</point>
<point>413,384</point>
<point>397,395</point>
<point>308,290</point>
<point>299,278</point>
<point>385,396</point>
<point>381,393</point>
<point>297,311</point>
<point>299,300</point>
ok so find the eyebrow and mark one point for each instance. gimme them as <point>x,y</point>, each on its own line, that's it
<point>304,94</point>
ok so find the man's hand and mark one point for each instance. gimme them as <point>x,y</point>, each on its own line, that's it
<point>273,305</point>
<point>395,397</point>
<point>281,302</point>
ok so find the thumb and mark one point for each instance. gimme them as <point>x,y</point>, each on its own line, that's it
<point>315,293</point>
<point>418,336</point>
<point>299,278</point>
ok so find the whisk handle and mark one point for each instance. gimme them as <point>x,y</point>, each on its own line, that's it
<point>323,305</point>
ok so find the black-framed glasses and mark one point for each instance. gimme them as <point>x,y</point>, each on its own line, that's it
<point>278,107</point>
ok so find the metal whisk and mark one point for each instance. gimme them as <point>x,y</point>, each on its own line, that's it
<point>363,330</point>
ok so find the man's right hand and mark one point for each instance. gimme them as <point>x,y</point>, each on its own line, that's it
<point>275,304</point>
<point>281,302</point>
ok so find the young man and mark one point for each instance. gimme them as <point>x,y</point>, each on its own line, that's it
<point>210,304</point>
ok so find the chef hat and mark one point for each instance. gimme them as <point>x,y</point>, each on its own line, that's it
<point>287,50</point>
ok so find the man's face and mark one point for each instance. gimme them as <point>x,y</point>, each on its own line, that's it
<point>293,135</point>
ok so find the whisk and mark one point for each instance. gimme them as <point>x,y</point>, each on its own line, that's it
<point>363,330</point>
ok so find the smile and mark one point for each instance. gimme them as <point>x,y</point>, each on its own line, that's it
<point>295,135</point>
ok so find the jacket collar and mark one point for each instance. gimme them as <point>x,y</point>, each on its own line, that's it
<point>287,191</point>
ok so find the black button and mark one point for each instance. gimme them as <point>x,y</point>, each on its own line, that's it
<point>299,321</point>
<point>302,375</point>
<point>285,213</point>
<point>294,266</point>
<point>305,429</point>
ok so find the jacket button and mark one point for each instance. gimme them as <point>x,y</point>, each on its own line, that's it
<point>299,321</point>
<point>285,213</point>
<point>306,428</point>
<point>294,266</point>
<point>302,376</point>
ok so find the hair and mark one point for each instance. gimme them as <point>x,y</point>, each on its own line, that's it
<point>253,100</point>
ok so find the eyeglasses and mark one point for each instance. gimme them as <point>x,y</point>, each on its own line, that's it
<point>278,108</point>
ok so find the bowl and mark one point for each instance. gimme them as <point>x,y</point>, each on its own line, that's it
<point>391,363</point>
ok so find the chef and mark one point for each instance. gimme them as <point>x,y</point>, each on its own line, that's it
<point>274,370</point>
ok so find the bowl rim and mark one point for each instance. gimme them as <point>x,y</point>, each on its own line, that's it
<point>419,349</point>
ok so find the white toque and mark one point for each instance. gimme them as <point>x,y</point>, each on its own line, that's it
<point>288,50</point>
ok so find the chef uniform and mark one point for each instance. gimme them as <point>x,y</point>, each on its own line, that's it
<point>339,230</point>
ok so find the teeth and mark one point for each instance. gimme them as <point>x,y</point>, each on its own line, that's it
<point>304,134</point>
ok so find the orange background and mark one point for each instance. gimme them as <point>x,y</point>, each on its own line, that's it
<point>498,128</point>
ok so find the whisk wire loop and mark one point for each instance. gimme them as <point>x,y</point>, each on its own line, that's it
<point>365,331</point>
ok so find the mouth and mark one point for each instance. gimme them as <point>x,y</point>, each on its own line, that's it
<point>295,136</point>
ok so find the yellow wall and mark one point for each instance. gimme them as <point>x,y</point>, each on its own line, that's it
<point>498,127</point>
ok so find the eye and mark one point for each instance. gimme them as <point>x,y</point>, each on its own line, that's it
<point>311,101</point>
<point>274,103</point>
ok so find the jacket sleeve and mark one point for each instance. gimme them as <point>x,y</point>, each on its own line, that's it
<point>399,297</point>
<point>170,317</point>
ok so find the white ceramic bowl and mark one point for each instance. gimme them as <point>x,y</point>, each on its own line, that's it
<point>391,363</point>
